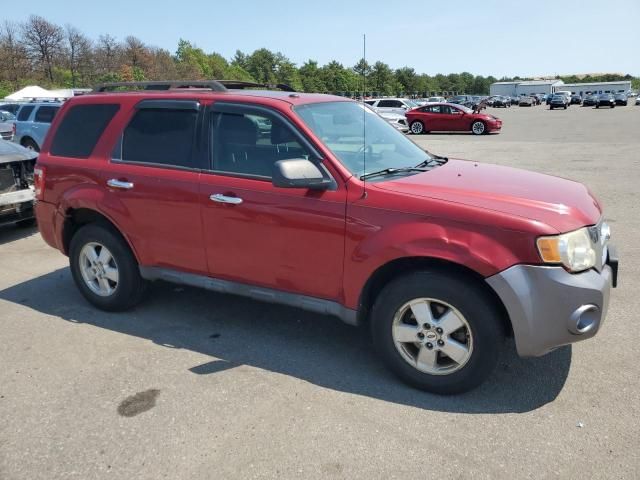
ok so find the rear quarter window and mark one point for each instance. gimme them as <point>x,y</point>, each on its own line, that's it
<point>24,113</point>
<point>81,128</point>
<point>45,114</point>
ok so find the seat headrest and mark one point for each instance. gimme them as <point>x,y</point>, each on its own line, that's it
<point>238,129</point>
<point>281,134</point>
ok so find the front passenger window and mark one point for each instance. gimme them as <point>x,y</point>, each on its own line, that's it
<point>250,144</point>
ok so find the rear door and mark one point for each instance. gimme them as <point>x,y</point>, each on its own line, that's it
<point>152,184</point>
<point>289,239</point>
<point>42,121</point>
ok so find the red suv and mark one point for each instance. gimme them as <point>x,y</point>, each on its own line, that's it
<point>317,202</point>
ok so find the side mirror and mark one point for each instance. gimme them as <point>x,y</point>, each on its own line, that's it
<point>299,173</point>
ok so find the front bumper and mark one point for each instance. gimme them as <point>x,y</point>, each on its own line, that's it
<point>550,307</point>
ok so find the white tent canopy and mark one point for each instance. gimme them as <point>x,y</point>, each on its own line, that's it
<point>33,91</point>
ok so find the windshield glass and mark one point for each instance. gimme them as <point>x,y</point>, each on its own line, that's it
<point>354,134</point>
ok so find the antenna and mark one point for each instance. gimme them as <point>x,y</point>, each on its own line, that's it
<point>364,115</point>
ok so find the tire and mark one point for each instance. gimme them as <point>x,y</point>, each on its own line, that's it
<point>478,127</point>
<point>450,296</point>
<point>597,106</point>
<point>129,287</point>
<point>565,107</point>
<point>30,144</point>
<point>417,127</point>
<point>550,108</point>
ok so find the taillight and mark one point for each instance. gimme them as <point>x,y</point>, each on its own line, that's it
<point>13,128</point>
<point>38,181</point>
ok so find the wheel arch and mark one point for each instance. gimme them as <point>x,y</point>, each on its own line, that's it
<point>406,265</point>
<point>76,218</point>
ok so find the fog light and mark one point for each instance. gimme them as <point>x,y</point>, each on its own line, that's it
<point>583,319</point>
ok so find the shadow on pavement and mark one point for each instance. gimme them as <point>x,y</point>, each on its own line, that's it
<point>12,232</point>
<point>318,349</point>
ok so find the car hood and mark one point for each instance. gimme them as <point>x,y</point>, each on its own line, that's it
<point>559,203</point>
<point>12,152</point>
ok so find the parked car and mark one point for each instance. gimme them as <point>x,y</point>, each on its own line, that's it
<point>16,184</point>
<point>621,99</point>
<point>515,100</point>
<point>436,100</point>
<point>447,117</point>
<point>566,93</point>
<point>575,100</point>
<point>397,121</point>
<point>606,100</point>
<point>11,107</point>
<point>637,100</point>
<point>501,102</point>
<point>526,101</point>
<point>391,105</point>
<point>558,101</point>
<point>6,125</point>
<point>468,101</point>
<point>441,259</point>
<point>590,101</point>
<point>33,122</point>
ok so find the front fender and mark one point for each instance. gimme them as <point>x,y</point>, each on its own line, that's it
<point>481,248</point>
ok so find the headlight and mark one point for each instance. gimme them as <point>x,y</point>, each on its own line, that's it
<point>574,250</point>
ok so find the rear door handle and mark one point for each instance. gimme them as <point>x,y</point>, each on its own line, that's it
<point>220,198</point>
<point>119,184</point>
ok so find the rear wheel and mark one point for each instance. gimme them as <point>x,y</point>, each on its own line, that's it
<point>478,127</point>
<point>417,127</point>
<point>437,332</point>
<point>104,268</point>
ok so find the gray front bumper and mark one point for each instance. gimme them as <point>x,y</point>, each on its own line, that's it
<point>545,303</point>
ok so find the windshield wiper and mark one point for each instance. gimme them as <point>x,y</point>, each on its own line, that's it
<point>392,171</point>
<point>434,161</point>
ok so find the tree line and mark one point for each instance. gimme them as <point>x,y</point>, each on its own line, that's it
<point>38,51</point>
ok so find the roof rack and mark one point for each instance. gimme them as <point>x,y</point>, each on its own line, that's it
<point>164,85</point>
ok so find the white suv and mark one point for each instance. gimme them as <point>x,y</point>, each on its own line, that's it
<point>391,105</point>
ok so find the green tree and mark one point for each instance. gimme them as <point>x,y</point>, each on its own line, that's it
<point>310,77</point>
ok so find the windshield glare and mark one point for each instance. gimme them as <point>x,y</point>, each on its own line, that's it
<point>354,134</point>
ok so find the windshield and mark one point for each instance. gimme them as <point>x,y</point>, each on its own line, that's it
<point>354,134</point>
<point>6,115</point>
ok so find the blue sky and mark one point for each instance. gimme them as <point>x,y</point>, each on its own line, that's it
<point>491,37</point>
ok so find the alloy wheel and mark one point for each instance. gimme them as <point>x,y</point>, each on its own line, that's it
<point>99,269</point>
<point>432,336</point>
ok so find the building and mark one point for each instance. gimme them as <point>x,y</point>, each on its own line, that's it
<point>507,89</point>
<point>545,87</point>
<point>528,87</point>
<point>598,87</point>
<point>525,87</point>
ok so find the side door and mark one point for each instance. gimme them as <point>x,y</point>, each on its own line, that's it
<point>433,120</point>
<point>42,121</point>
<point>288,239</point>
<point>454,119</point>
<point>152,184</point>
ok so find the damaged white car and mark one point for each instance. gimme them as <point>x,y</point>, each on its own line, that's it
<point>16,184</point>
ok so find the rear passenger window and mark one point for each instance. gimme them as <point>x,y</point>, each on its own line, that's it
<point>81,129</point>
<point>160,136</point>
<point>24,113</point>
<point>250,144</point>
<point>45,114</point>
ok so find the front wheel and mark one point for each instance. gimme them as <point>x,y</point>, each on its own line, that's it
<point>478,128</point>
<point>417,127</point>
<point>104,268</point>
<point>437,332</point>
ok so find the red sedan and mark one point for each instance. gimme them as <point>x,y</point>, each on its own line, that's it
<point>449,117</point>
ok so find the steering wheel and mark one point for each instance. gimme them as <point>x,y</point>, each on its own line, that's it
<point>366,149</point>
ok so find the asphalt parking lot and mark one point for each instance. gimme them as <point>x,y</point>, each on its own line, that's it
<point>201,386</point>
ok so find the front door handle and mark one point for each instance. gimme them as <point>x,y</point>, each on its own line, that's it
<point>119,184</point>
<point>220,198</point>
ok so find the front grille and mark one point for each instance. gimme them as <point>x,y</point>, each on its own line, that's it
<point>6,135</point>
<point>7,182</point>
